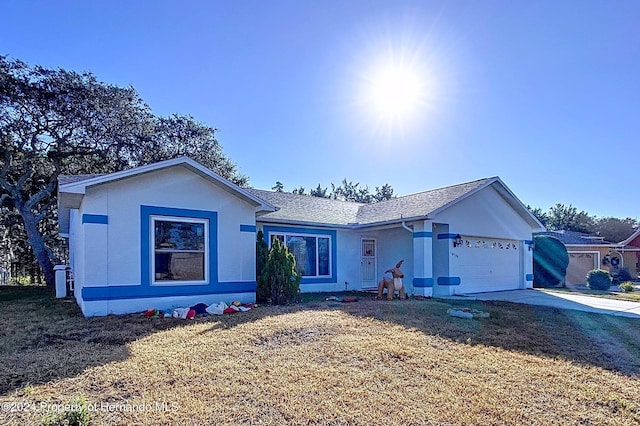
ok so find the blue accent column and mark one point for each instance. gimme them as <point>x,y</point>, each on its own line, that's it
<point>423,259</point>
<point>526,251</point>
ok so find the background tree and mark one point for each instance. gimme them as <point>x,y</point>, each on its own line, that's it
<point>55,122</point>
<point>539,214</point>
<point>319,192</point>
<point>346,191</point>
<point>561,217</point>
<point>383,193</point>
<point>614,229</point>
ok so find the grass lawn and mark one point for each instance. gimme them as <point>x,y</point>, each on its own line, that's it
<point>319,362</point>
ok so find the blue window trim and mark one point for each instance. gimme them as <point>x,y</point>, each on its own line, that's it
<point>268,230</point>
<point>145,249</point>
<point>247,228</point>
<point>95,218</point>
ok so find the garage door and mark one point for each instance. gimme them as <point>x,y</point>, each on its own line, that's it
<point>579,265</point>
<point>487,264</point>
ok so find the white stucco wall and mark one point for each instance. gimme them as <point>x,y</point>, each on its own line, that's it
<point>112,252</point>
<point>486,214</point>
<point>109,255</point>
<point>392,245</point>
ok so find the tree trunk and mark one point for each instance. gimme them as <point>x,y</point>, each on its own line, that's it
<point>37,244</point>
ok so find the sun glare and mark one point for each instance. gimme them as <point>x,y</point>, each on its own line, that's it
<point>396,92</point>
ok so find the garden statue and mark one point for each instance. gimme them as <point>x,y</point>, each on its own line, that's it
<point>392,284</point>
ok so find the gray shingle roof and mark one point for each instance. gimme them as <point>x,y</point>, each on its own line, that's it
<point>416,205</point>
<point>308,209</point>
<point>576,238</point>
<point>66,179</point>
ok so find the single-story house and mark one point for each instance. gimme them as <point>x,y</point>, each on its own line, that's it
<point>174,233</point>
<point>588,252</point>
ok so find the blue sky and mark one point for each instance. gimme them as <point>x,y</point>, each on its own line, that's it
<point>544,94</point>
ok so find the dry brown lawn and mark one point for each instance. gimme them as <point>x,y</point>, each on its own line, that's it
<point>365,363</point>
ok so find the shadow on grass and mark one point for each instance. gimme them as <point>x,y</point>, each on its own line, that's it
<point>44,339</point>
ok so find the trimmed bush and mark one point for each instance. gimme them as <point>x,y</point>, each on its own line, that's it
<point>550,261</point>
<point>280,274</point>
<point>599,279</point>
<point>626,286</point>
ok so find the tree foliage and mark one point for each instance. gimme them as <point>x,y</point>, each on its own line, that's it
<point>346,191</point>
<point>614,229</point>
<point>54,122</point>
<point>562,217</point>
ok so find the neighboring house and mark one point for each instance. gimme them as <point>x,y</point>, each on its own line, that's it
<point>631,253</point>
<point>588,252</point>
<point>174,233</point>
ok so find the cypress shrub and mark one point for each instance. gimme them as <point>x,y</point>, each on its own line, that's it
<point>262,254</point>
<point>279,273</point>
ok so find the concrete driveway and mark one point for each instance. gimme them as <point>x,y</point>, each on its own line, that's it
<point>560,300</point>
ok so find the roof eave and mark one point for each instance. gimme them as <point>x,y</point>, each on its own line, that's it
<point>631,238</point>
<point>81,187</point>
<point>303,223</point>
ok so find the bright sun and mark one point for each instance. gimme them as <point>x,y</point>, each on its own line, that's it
<point>396,92</point>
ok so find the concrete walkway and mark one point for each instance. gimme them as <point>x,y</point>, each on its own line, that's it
<point>561,300</point>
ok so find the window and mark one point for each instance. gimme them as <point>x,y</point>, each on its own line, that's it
<point>179,250</point>
<point>312,253</point>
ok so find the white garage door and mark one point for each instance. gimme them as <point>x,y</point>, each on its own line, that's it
<point>487,264</point>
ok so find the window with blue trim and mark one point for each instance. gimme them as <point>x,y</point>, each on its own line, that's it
<point>312,252</point>
<point>180,250</point>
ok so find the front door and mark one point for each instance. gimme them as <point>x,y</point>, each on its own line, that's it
<point>368,262</point>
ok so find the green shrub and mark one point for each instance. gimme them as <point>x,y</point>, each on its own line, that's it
<point>78,414</point>
<point>550,261</point>
<point>279,274</point>
<point>622,276</point>
<point>626,286</point>
<point>599,279</point>
<point>263,293</point>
